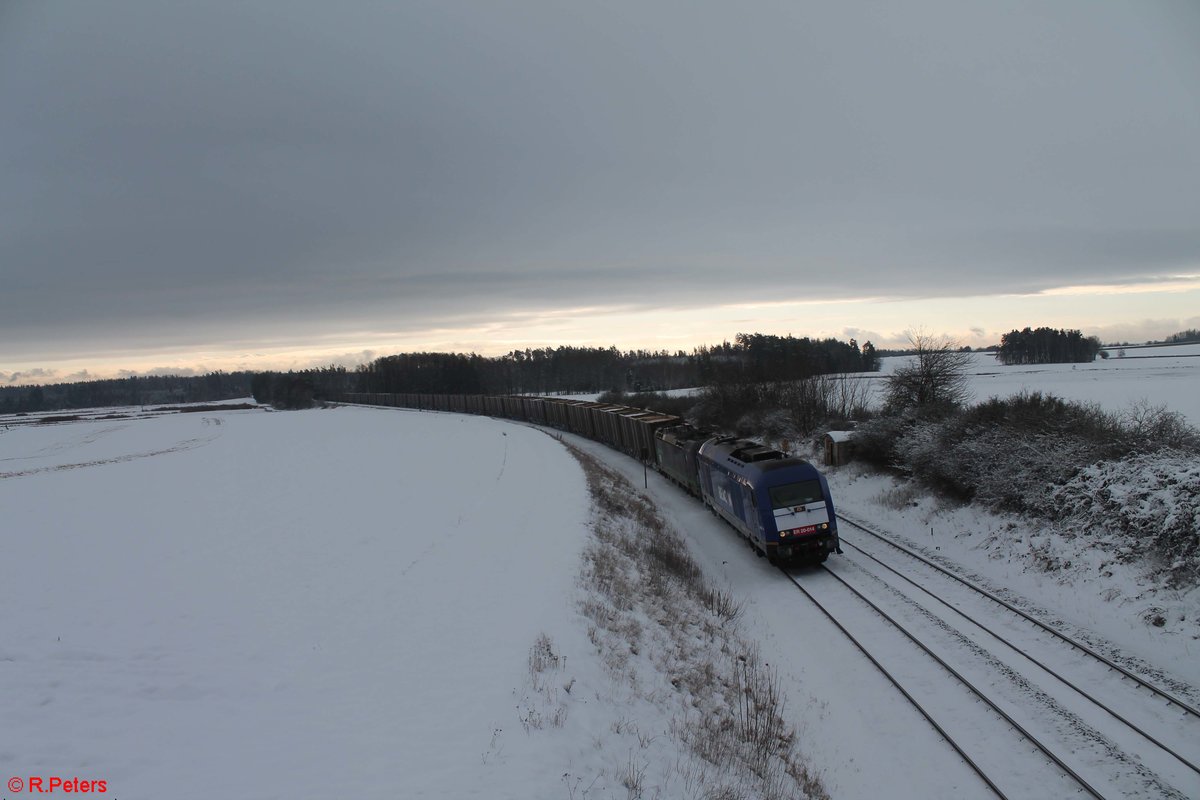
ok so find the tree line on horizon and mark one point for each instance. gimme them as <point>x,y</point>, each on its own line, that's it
<point>572,370</point>
<point>1183,337</point>
<point>1047,346</point>
<point>135,390</point>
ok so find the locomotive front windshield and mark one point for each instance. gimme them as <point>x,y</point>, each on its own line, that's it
<point>795,494</point>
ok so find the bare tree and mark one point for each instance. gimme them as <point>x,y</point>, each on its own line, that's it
<point>936,377</point>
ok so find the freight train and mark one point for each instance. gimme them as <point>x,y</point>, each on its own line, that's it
<point>781,505</point>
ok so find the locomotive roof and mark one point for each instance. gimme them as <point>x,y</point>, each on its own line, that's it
<point>745,450</point>
<point>753,455</point>
<point>787,461</point>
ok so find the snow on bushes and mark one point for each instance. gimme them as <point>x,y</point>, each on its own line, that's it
<point>1151,501</point>
<point>1000,468</point>
<point>1133,476</point>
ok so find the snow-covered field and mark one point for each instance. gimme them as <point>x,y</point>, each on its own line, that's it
<point>1167,376</point>
<point>349,603</point>
<point>281,605</point>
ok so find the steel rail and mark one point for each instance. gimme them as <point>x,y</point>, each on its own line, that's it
<point>1183,704</point>
<point>916,704</point>
<point>974,689</point>
<point>1049,670</point>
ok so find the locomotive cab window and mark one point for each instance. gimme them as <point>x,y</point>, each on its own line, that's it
<point>795,494</point>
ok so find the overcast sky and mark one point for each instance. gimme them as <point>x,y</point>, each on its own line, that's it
<point>222,184</point>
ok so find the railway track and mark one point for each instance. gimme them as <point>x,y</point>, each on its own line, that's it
<point>1171,697</point>
<point>1099,730</point>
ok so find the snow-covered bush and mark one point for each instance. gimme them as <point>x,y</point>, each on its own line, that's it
<point>1008,453</point>
<point>875,440</point>
<point>1002,468</point>
<point>1133,478</point>
<point>1152,500</point>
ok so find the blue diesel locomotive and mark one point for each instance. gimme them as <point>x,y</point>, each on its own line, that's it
<point>780,504</point>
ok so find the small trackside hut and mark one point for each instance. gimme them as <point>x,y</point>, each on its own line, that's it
<point>838,447</point>
<point>780,504</point>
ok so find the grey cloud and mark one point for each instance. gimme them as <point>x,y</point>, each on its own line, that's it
<point>189,172</point>
<point>43,375</point>
<point>29,376</point>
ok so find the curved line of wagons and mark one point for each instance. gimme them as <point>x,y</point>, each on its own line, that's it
<point>779,503</point>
